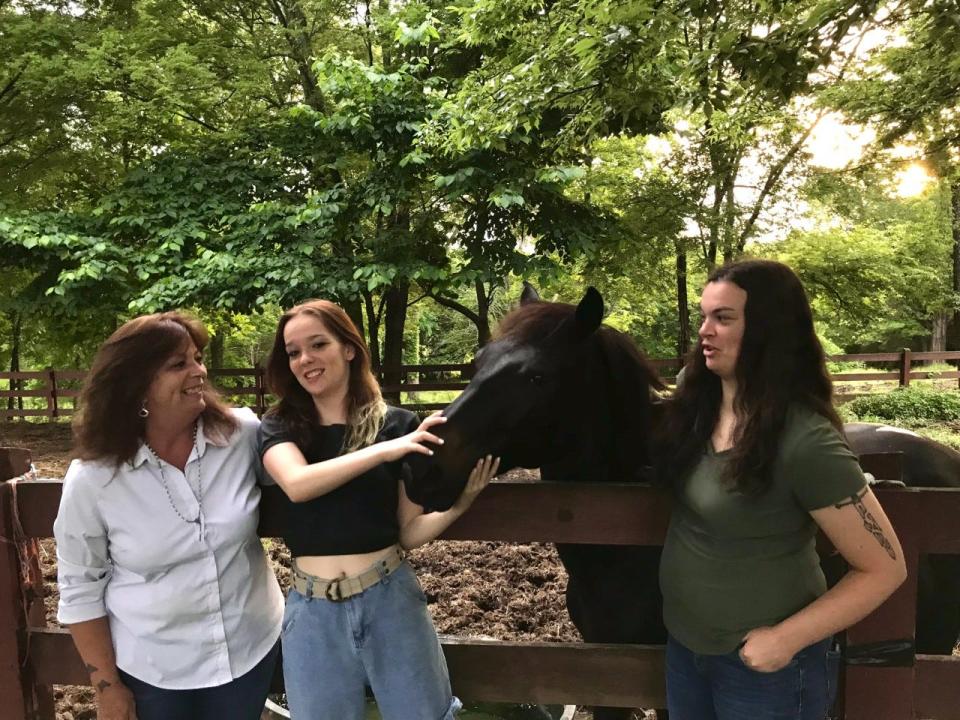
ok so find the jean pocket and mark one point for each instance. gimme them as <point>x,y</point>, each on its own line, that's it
<point>291,611</point>
<point>833,676</point>
<point>406,578</point>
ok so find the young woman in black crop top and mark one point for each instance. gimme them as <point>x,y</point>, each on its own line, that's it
<point>356,615</point>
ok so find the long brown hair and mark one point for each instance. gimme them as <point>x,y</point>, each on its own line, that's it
<point>365,407</point>
<point>108,426</point>
<point>781,363</point>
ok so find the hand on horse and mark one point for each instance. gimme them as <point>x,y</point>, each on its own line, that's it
<point>417,441</point>
<point>481,475</point>
<point>764,649</point>
<point>115,702</point>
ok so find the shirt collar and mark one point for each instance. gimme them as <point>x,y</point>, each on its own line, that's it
<point>212,437</point>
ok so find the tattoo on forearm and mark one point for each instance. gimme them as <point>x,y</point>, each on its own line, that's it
<point>869,523</point>
<point>103,684</point>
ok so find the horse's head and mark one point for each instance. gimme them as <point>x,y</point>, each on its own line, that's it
<point>554,389</point>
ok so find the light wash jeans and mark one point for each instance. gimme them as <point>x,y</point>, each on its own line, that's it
<point>382,638</point>
<point>721,687</point>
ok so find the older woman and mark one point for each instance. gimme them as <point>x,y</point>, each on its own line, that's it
<point>163,581</point>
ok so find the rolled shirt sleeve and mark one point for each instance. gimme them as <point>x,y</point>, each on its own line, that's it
<point>83,560</point>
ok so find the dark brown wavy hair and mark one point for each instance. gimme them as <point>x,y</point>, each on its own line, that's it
<point>108,426</point>
<point>365,406</point>
<point>781,363</point>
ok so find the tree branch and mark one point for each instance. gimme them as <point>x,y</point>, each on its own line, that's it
<point>454,305</point>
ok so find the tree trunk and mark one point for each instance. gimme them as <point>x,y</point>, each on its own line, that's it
<point>16,325</point>
<point>483,314</point>
<point>938,338</point>
<point>217,349</point>
<point>953,336</point>
<point>354,309</point>
<point>396,317</point>
<point>683,304</point>
<point>373,339</point>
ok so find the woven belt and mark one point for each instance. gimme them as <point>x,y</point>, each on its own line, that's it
<point>344,587</point>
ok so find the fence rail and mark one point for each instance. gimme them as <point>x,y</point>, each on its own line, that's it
<point>33,656</point>
<point>248,383</point>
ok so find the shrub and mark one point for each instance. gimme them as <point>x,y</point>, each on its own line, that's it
<point>909,404</point>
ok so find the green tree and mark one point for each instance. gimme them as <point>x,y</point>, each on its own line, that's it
<point>910,91</point>
<point>880,279</point>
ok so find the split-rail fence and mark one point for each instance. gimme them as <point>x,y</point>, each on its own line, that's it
<point>57,390</point>
<point>34,657</point>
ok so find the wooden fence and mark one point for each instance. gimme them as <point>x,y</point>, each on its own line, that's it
<point>34,657</point>
<point>247,384</point>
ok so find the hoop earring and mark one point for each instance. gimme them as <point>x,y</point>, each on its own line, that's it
<point>143,412</point>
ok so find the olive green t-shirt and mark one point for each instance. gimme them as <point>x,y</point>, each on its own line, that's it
<point>731,562</point>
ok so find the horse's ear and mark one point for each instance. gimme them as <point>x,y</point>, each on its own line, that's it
<point>529,294</point>
<point>589,313</point>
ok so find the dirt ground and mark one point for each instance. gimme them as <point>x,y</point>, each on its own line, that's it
<point>475,589</point>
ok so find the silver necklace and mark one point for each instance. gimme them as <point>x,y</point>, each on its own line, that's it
<point>199,520</point>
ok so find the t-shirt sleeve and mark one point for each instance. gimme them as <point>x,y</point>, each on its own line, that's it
<point>822,469</point>
<point>273,431</point>
<point>397,423</point>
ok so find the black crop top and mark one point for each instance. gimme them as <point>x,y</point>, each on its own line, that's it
<point>360,515</point>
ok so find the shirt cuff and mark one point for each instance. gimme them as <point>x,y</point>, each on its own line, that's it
<point>80,612</point>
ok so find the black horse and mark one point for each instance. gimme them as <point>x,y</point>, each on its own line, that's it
<point>557,390</point>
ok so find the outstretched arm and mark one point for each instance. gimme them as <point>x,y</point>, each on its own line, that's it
<point>417,527</point>
<point>861,532</point>
<point>303,481</point>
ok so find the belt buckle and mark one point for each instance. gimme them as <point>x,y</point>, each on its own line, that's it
<point>333,592</point>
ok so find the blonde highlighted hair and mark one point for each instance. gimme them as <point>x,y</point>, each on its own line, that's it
<point>366,409</point>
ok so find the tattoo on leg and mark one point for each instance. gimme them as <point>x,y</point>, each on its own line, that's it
<point>869,523</point>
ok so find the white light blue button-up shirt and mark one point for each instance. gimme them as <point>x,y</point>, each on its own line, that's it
<point>188,608</point>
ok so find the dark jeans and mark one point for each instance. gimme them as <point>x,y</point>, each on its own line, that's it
<point>239,699</point>
<point>721,687</point>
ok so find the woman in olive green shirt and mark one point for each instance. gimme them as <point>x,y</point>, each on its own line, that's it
<point>757,457</point>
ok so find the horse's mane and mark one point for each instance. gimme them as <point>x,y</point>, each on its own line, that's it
<point>535,322</point>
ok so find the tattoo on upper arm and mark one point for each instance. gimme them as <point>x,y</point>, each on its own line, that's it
<point>869,523</point>
<point>103,685</point>
<point>90,668</point>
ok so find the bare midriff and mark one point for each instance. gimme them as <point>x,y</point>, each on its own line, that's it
<point>331,567</point>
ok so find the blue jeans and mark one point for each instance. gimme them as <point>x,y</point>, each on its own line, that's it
<point>721,687</point>
<point>382,638</point>
<point>239,699</point>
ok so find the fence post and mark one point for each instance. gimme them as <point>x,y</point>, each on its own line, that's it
<point>258,382</point>
<point>21,697</point>
<point>905,367</point>
<point>53,409</point>
<point>872,690</point>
